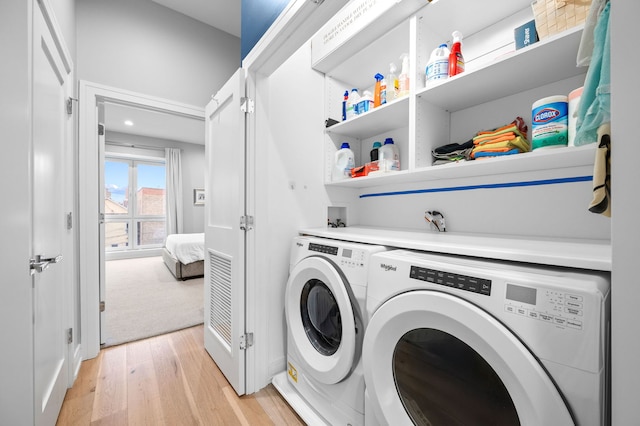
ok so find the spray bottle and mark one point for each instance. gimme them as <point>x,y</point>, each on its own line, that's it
<point>377,93</point>
<point>393,86</point>
<point>403,79</point>
<point>456,60</point>
<point>344,105</point>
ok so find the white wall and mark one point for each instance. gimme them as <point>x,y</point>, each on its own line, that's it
<point>141,46</point>
<point>192,170</point>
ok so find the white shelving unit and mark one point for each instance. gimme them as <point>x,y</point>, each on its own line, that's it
<point>430,116</point>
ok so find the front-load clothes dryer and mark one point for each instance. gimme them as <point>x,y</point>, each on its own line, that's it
<point>324,309</point>
<point>461,341</point>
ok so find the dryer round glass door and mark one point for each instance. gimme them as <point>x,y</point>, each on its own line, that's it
<point>323,326</point>
<point>321,317</point>
<point>432,358</point>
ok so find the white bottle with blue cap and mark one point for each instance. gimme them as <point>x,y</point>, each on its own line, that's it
<point>389,156</point>
<point>344,162</point>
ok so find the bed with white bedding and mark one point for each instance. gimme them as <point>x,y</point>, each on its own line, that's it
<point>184,255</point>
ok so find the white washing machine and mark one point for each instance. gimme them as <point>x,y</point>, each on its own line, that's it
<point>324,308</point>
<point>460,341</point>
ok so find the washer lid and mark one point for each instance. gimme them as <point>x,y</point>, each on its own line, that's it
<point>321,320</point>
<point>447,334</point>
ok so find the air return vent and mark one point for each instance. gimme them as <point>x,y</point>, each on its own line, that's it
<point>220,296</point>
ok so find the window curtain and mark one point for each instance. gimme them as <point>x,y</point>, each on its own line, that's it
<point>174,191</point>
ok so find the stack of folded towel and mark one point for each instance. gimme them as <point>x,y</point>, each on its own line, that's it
<point>506,140</point>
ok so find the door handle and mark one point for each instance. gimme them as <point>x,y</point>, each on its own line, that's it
<point>39,263</point>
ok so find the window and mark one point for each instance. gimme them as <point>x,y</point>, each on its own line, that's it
<point>134,203</point>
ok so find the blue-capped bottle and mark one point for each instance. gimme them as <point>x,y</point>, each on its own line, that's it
<point>352,104</point>
<point>343,163</point>
<point>389,156</point>
<point>344,105</point>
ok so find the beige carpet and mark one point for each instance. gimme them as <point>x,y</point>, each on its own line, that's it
<point>143,299</point>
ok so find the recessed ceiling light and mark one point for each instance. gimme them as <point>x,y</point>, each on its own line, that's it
<point>128,122</point>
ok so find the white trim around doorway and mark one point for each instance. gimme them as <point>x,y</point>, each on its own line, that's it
<point>90,95</point>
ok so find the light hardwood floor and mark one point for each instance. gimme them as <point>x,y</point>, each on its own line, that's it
<point>166,380</point>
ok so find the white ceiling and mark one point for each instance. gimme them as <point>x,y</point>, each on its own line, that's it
<point>154,124</point>
<point>221,14</point>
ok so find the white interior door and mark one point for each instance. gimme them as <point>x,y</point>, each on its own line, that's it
<point>50,88</point>
<point>224,334</point>
<point>101,236</point>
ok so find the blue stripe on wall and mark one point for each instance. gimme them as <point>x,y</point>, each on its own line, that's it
<point>485,186</point>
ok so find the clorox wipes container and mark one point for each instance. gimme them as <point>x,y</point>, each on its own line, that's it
<point>550,122</point>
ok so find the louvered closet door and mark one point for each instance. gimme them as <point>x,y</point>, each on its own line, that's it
<point>224,240</point>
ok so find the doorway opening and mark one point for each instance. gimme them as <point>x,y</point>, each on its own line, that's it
<point>157,124</point>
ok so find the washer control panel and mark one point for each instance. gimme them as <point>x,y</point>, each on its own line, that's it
<point>449,279</point>
<point>560,308</point>
<point>345,257</point>
<point>321,248</point>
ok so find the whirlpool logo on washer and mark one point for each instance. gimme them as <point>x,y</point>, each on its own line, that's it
<point>388,268</point>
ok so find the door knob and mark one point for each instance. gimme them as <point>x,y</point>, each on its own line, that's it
<point>40,263</point>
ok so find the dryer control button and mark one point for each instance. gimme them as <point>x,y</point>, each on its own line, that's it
<point>574,298</point>
<point>572,311</point>
<point>574,324</point>
<point>560,321</point>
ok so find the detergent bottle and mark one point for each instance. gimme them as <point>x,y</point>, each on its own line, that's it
<point>374,151</point>
<point>456,60</point>
<point>438,66</point>
<point>366,102</point>
<point>352,104</point>
<point>403,79</point>
<point>389,156</point>
<point>343,163</point>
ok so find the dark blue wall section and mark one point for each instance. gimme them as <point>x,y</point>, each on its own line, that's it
<point>257,17</point>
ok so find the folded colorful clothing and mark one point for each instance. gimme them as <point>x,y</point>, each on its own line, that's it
<point>453,152</point>
<point>496,154</point>
<point>518,123</point>
<point>516,142</point>
<point>451,147</point>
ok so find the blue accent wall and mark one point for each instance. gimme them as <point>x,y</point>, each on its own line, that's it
<point>257,17</point>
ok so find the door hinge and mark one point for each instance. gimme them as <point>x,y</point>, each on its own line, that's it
<point>246,223</point>
<point>246,341</point>
<point>246,105</point>
<point>100,129</point>
<point>102,306</point>
<point>69,104</point>
<point>70,335</point>
<point>70,220</point>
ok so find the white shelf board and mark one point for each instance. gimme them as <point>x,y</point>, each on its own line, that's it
<point>375,121</point>
<point>546,159</point>
<point>573,253</point>
<point>469,17</point>
<point>545,62</point>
